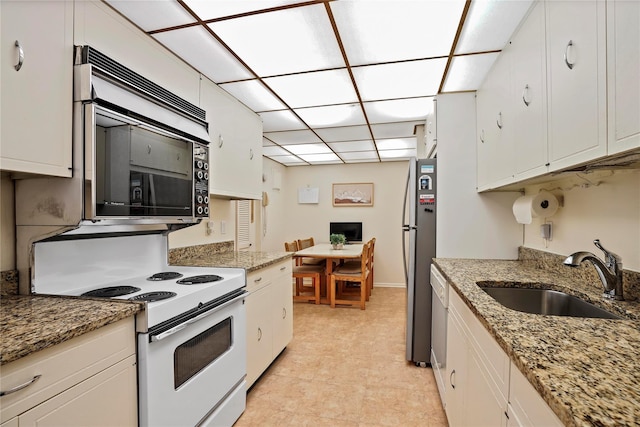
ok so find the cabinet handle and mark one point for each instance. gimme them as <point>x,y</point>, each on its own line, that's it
<point>451,378</point>
<point>259,279</point>
<point>524,95</point>
<point>148,149</point>
<point>21,386</point>
<point>499,120</point>
<point>283,268</point>
<point>482,136</point>
<point>20,56</point>
<point>259,334</point>
<point>250,153</point>
<point>566,55</point>
<point>220,141</point>
<point>284,313</point>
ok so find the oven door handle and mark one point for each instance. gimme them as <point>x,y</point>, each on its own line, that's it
<point>181,326</point>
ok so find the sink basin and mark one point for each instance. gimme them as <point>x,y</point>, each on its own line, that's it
<point>545,301</point>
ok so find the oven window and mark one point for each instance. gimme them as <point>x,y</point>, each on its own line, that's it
<point>197,353</point>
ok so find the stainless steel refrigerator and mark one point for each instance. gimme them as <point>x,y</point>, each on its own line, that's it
<point>419,247</point>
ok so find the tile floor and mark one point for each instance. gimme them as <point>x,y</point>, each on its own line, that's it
<point>346,367</point>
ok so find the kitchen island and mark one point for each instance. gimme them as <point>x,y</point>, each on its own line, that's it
<point>586,369</point>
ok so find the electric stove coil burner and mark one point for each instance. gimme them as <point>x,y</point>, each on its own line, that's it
<point>153,296</point>
<point>110,292</point>
<point>202,278</point>
<point>165,275</point>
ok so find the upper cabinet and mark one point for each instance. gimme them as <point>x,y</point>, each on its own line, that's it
<point>576,82</point>
<point>235,153</point>
<point>623,55</point>
<point>36,88</point>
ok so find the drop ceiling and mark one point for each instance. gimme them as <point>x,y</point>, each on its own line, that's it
<point>335,81</point>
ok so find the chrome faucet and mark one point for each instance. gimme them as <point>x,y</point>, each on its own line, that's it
<point>610,272</point>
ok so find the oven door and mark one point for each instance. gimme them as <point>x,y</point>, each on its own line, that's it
<point>186,372</point>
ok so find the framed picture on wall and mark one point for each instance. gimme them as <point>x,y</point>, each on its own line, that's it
<point>353,194</point>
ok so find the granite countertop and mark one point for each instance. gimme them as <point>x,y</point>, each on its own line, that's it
<point>29,323</point>
<point>587,370</point>
<point>250,261</point>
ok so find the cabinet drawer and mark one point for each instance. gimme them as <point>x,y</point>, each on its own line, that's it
<point>62,366</point>
<point>259,278</point>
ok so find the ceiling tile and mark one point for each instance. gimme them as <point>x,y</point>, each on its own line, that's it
<point>327,158</point>
<point>208,9</point>
<point>267,143</point>
<point>377,31</point>
<point>274,151</point>
<point>347,146</point>
<point>293,137</point>
<point>468,72</point>
<point>360,157</point>
<point>396,144</point>
<point>302,149</point>
<point>490,24</point>
<point>152,15</point>
<point>346,133</point>
<point>399,110</point>
<point>287,41</point>
<point>399,80</point>
<point>314,89</point>
<point>280,120</point>
<point>288,160</point>
<point>254,95</point>
<point>332,115</point>
<point>395,130</point>
<point>393,155</point>
<point>196,47</point>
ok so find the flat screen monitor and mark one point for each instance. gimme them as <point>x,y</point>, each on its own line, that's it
<point>351,230</point>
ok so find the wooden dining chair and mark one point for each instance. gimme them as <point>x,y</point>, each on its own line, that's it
<point>371,266</point>
<point>301,272</point>
<point>354,273</point>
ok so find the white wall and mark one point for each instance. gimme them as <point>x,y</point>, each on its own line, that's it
<point>603,206</point>
<point>288,220</point>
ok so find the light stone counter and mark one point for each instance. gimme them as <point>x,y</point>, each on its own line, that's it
<point>587,370</point>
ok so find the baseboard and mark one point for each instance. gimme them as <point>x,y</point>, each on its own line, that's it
<point>389,285</point>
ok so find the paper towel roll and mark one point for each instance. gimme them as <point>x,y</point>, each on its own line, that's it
<point>543,204</point>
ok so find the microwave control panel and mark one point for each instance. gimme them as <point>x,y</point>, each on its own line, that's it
<point>201,180</point>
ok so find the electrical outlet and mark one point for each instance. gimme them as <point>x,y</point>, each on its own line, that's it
<point>210,227</point>
<point>546,231</point>
<point>223,227</point>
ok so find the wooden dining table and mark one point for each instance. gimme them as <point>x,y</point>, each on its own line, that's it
<point>332,256</point>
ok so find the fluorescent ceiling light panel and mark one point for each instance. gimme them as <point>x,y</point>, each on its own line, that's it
<point>468,72</point>
<point>347,146</point>
<point>490,24</point>
<point>321,158</point>
<point>210,9</point>
<point>274,150</point>
<point>399,109</point>
<point>385,31</point>
<point>346,133</point>
<point>280,120</point>
<point>288,160</point>
<point>254,95</point>
<point>153,15</point>
<point>332,115</point>
<point>293,137</point>
<point>360,156</point>
<point>400,80</point>
<point>314,89</point>
<point>300,149</point>
<point>395,130</point>
<point>196,46</point>
<point>396,154</point>
<point>282,42</point>
<point>396,144</point>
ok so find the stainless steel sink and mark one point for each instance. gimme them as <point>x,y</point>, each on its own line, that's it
<point>545,301</point>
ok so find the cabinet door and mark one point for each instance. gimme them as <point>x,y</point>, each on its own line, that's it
<point>36,100</point>
<point>84,404</point>
<point>457,350</point>
<point>235,164</point>
<point>526,407</point>
<point>282,313</point>
<point>259,332</point>
<point>623,53</point>
<point>529,96</point>
<point>576,81</point>
<point>484,403</point>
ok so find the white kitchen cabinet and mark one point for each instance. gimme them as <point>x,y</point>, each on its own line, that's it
<point>495,126</point>
<point>36,100</point>
<point>528,97</point>
<point>478,371</point>
<point>96,24</point>
<point>235,153</point>
<point>76,378</point>
<point>526,407</point>
<point>576,82</point>
<point>269,307</point>
<point>623,55</point>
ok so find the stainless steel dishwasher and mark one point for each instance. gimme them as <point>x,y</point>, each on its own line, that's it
<point>440,302</point>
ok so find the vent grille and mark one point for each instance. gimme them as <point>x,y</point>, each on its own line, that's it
<point>119,71</point>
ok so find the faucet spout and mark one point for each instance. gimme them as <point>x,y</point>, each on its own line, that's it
<point>610,273</point>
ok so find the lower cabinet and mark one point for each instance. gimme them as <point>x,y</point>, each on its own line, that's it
<point>484,388</point>
<point>74,380</point>
<point>269,307</point>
